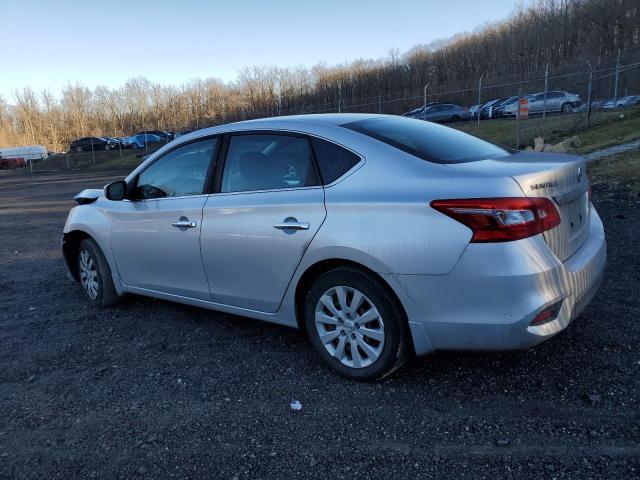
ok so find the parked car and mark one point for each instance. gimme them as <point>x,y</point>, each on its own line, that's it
<point>419,112</point>
<point>512,108</point>
<point>437,241</point>
<point>556,101</point>
<point>167,136</point>
<point>487,109</point>
<point>115,142</point>
<point>499,108</point>
<point>442,113</point>
<point>10,163</point>
<point>595,105</point>
<point>141,140</point>
<point>628,101</point>
<point>473,110</point>
<point>87,144</point>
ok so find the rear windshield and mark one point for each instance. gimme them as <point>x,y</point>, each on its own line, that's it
<point>427,140</point>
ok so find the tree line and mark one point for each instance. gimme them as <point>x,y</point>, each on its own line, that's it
<point>560,34</point>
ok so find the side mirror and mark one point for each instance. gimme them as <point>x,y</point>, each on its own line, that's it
<point>116,190</point>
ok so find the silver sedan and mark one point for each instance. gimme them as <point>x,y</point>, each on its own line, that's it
<point>379,236</point>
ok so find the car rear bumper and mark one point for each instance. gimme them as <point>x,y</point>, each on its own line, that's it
<point>487,302</point>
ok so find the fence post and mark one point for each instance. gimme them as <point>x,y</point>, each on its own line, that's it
<point>339,96</point>
<point>546,88</point>
<point>68,165</point>
<point>479,97</point>
<point>380,102</point>
<point>93,155</point>
<point>424,105</point>
<point>518,119</point>
<point>615,87</point>
<point>589,98</point>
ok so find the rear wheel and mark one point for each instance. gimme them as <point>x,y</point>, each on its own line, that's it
<point>356,324</point>
<point>95,275</point>
<point>455,118</point>
<point>78,149</point>
<point>566,107</point>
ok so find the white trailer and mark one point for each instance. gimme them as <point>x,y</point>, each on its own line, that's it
<point>30,153</point>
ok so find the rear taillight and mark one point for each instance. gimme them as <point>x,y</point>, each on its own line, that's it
<point>501,219</point>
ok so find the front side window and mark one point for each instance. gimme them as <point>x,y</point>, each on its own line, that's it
<point>426,140</point>
<point>179,173</point>
<point>267,162</point>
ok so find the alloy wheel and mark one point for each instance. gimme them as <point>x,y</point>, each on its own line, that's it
<point>349,326</point>
<point>88,274</point>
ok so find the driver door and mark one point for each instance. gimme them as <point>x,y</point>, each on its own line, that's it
<point>155,236</point>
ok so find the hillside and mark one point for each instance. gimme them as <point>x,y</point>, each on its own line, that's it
<point>570,37</point>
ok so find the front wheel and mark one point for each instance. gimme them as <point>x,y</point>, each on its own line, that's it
<point>356,324</point>
<point>566,107</point>
<point>95,275</point>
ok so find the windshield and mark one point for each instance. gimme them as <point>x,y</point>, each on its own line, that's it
<point>426,140</point>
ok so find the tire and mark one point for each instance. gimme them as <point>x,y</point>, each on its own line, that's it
<point>134,146</point>
<point>78,149</point>
<point>386,343</point>
<point>92,265</point>
<point>566,108</point>
<point>107,147</point>
<point>455,119</point>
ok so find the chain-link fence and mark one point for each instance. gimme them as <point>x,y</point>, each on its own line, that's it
<point>512,111</point>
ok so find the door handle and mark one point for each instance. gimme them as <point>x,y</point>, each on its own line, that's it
<point>184,224</point>
<point>292,226</point>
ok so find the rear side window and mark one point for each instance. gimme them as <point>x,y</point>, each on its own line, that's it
<point>426,140</point>
<point>267,162</point>
<point>333,161</point>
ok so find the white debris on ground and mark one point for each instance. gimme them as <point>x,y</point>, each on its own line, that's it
<point>296,405</point>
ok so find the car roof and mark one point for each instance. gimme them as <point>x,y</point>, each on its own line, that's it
<point>288,120</point>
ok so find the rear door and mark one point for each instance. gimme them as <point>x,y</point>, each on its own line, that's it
<point>268,206</point>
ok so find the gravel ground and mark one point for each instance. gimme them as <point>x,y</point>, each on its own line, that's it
<point>159,390</point>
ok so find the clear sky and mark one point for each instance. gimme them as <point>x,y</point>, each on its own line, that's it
<point>48,43</point>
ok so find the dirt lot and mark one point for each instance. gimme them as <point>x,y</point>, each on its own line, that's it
<point>159,390</point>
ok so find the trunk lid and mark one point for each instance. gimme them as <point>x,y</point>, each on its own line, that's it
<point>559,177</point>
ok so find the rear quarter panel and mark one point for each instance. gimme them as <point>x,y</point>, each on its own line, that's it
<point>380,215</point>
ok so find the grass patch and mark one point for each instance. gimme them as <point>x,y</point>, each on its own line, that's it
<point>130,160</point>
<point>607,129</point>
<point>621,170</point>
<point>615,132</point>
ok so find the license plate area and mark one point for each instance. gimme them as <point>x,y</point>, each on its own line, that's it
<point>577,212</point>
